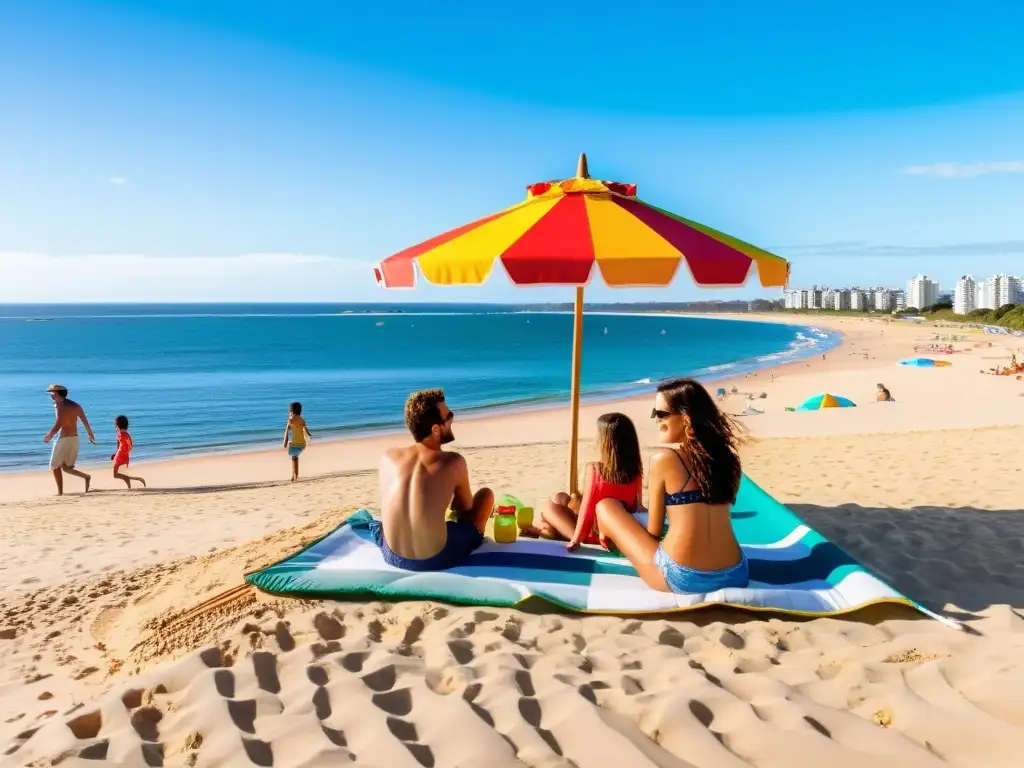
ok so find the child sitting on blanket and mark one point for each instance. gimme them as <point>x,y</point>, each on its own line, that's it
<point>618,474</point>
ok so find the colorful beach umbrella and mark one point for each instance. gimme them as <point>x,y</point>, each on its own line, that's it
<point>561,231</point>
<point>925,362</point>
<point>825,400</point>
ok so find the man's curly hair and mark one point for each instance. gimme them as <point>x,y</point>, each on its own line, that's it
<point>422,412</point>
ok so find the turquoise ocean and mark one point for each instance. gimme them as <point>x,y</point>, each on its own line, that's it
<point>202,378</point>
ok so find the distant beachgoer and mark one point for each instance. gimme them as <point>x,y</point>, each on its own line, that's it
<point>419,484</point>
<point>121,455</point>
<point>693,483</point>
<point>65,450</point>
<point>883,395</point>
<point>618,474</point>
<point>297,430</point>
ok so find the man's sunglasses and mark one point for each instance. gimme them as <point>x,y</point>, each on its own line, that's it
<point>449,417</point>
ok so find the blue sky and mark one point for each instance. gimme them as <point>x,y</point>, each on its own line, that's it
<point>158,150</point>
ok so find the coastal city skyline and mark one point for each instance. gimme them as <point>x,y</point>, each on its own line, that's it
<point>966,295</point>
<point>201,154</point>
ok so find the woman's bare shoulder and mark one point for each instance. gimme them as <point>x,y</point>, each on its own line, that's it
<point>662,457</point>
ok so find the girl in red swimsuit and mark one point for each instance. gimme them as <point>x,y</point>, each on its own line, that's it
<point>124,448</point>
<point>617,475</point>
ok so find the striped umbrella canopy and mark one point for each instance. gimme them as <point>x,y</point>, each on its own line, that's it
<point>825,400</point>
<point>564,228</point>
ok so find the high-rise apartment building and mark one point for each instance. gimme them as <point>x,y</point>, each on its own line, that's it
<point>965,296</point>
<point>1006,289</point>
<point>999,290</point>
<point>795,298</point>
<point>859,300</point>
<point>840,300</point>
<point>922,292</point>
<point>982,295</point>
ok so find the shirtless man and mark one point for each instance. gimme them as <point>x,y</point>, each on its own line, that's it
<point>65,450</point>
<point>419,484</point>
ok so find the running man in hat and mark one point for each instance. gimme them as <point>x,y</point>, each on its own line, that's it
<point>65,450</point>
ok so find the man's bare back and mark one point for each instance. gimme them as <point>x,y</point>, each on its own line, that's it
<point>419,484</point>
<point>417,487</point>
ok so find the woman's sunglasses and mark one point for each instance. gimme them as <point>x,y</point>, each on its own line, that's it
<point>658,414</point>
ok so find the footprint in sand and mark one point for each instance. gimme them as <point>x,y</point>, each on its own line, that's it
<point>381,680</point>
<point>328,626</point>
<point>398,704</point>
<point>264,664</point>
<point>353,662</point>
<point>462,651</point>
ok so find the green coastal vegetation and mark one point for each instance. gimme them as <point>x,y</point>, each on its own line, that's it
<point>1007,316</point>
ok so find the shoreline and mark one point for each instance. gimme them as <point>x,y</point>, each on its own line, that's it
<point>866,353</point>
<point>627,391</point>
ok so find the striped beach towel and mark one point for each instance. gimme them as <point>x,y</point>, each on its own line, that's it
<point>793,569</point>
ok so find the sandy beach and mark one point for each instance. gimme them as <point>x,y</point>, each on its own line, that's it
<point>103,658</point>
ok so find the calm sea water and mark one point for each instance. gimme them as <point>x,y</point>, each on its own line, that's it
<point>199,378</point>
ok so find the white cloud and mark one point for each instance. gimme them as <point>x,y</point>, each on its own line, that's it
<point>117,181</point>
<point>963,170</point>
<point>124,277</point>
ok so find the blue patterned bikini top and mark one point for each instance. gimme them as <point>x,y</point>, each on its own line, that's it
<point>679,498</point>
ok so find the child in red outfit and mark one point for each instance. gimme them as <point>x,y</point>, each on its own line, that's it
<point>617,475</point>
<point>124,448</point>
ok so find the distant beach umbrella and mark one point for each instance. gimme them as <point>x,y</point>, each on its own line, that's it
<point>925,362</point>
<point>825,400</point>
<point>564,228</point>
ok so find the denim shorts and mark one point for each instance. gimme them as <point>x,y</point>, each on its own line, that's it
<point>687,581</point>
<point>295,450</point>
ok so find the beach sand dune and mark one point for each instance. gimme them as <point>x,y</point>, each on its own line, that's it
<point>106,657</point>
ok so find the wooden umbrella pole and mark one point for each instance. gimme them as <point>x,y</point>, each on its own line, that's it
<point>577,355</point>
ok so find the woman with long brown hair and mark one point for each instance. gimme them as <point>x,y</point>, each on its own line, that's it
<point>617,475</point>
<point>693,483</point>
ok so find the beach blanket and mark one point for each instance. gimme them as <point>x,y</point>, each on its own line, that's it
<point>793,569</point>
